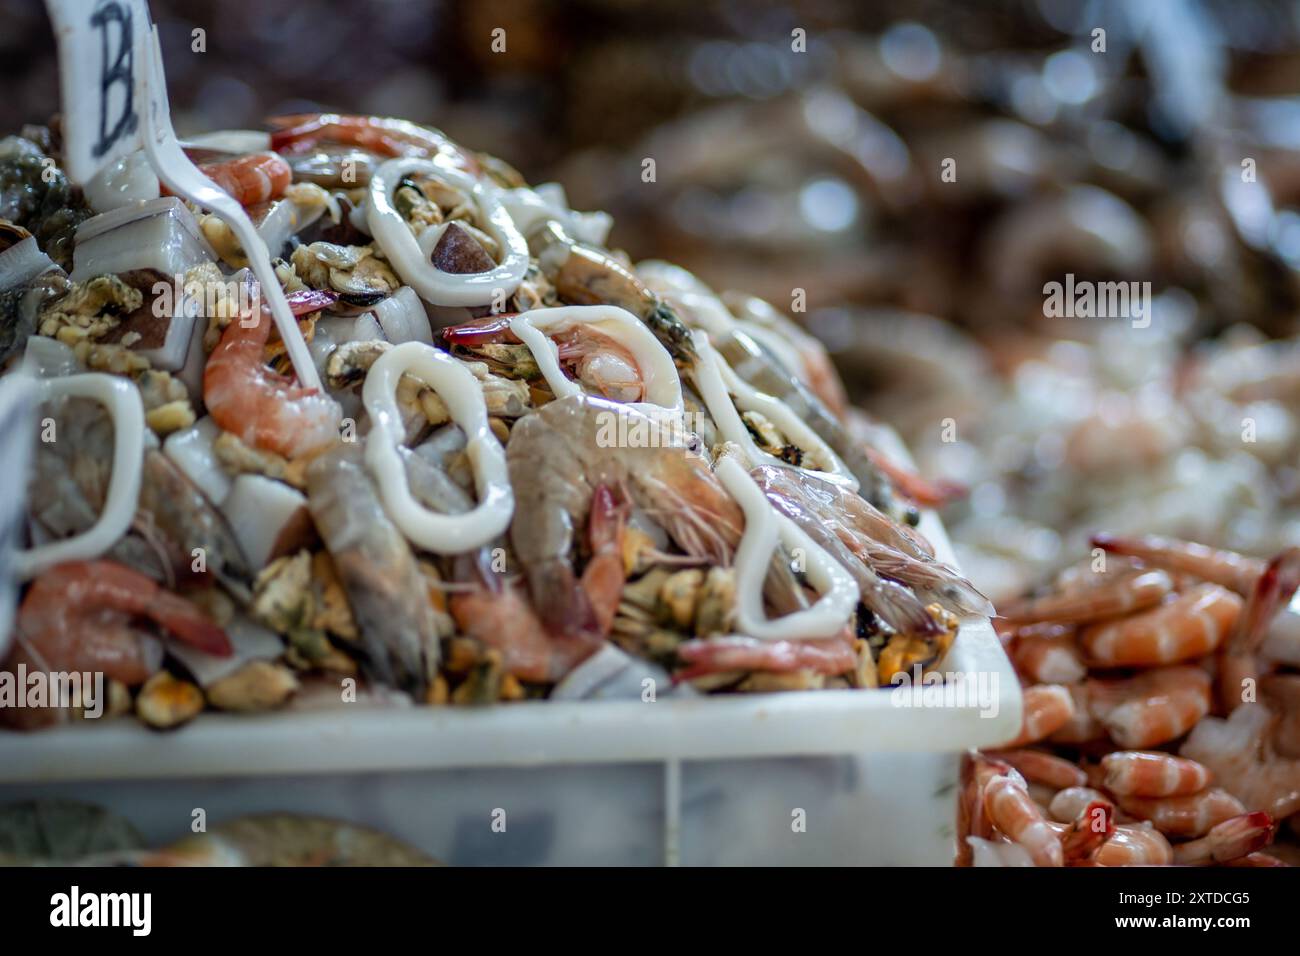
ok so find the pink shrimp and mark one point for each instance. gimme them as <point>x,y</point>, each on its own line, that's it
<point>389,137</point>
<point>1189,626</point>
<point>504,620</point>
<point>1134,844</point>
<point>1273,591</point>
<point>1047,708</point>
<point>1256,860</point>
<point>1067,804</point>
<point>1191,815</point>
<point>1153,707</point>
<point>83,616</point>
<point>1009,807</point>
<point>1113,596</point>
<point>831,655</point>
<point>1082,727</point>
<point>1141,774</point>
<point>252,178</point>
<point>977,770</point>
<point>1047,653</point>
<point>262,408</point>
<point>1091,827</point>
<point>1224,568</point>
<point>1239,753</point>
<point>1228,840</point>
<point>1041,767</point>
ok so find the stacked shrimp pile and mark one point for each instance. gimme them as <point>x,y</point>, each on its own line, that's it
<point>533,469</point>
<point>1157,727</point>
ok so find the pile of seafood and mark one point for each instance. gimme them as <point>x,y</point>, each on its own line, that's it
<point>532,470</point>
<point>1160,721</point>
<point>70,833</point>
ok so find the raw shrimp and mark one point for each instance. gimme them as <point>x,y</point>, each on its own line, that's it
<point>584,275</point>
<point>1010,809</point>
<point>1232,839</point>
<point>1224,568</point>
<point>1151,708</point>
<point>594,359</point>
<point>1140,774</point>
<point>1189,626</point>
<point>1239,753</point>
<point>1048,707</point>
<point>251,179</point>
<point>831,655</point>
<point>388,594</point>
<point>1191,815</point>
<point>556,464</point>
<point>83,616</point>
<point>1134,844</point>
<point>261,408</point>
<point>504,620</point>
<point>390,137</point>
<point>850,528</point>
<point>1047,654</point>
<point>1041,767</point>
<point>1111,598</point>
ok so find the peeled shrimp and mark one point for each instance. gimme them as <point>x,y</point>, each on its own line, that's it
<point>505,621</point>
<point>1190,815</point>
<point>1041,767</point>
<point>1091,827</point>
<point>1273,591</point>
<point>1240,754</point>
<point>251,179</point>
<point>1069,803</point>
<point>1047,654</point>
<point>1048,707</point>
<point>1224,568</point>
<point>1134,844</point>
<point>261,408</point>
<point>1011,810</point>
<point>1189,626</point>
<point>1111,598</point>
<point>1151,708</point>
<point>1141,774</point>
<point>556,464</point>
<point>1229,840</point>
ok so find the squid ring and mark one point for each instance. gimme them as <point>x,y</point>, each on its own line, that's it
<point>410,256</point>
<point>460,392</point>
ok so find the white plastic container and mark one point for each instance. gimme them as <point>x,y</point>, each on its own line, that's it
<point>817,777</point>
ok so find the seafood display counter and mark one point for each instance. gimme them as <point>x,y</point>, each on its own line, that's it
<point>827,777</point>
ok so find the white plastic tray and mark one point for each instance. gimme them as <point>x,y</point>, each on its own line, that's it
<point>672,781</point>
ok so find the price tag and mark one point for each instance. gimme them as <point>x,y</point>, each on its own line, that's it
<point>115,102</point>
<point>103,63</point>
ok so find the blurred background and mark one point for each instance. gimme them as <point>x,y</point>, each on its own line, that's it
<point>903,178</point>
